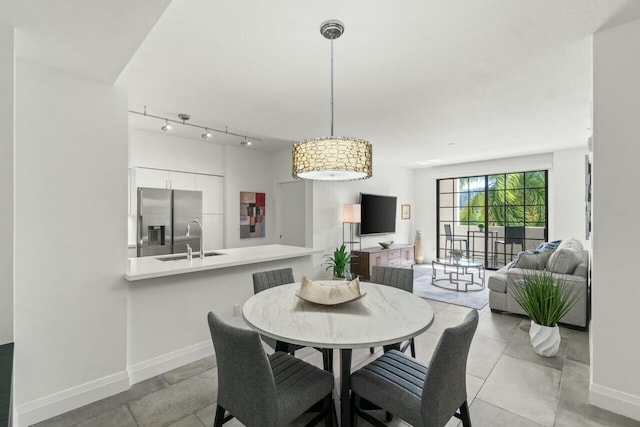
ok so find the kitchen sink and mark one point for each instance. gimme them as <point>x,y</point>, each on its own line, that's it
<point>182,257</point>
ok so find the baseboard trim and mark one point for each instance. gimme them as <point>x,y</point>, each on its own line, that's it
<point>158,365</point>
<point>66,400</point>
<point>615,401</point>
<point>72,398</point>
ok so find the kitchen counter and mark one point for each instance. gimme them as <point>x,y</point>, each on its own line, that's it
<point>150,267</point>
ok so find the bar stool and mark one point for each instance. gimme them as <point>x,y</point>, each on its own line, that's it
<point>451,238</point>
<point>512,235</point>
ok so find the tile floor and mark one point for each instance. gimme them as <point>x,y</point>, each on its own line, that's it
<point>507,383</point>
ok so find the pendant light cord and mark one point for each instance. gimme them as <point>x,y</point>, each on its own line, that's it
<point>331,87</point>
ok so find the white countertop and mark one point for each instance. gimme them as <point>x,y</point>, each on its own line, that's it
<point>150,267</point>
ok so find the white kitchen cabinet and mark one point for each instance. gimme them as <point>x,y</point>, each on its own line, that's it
<point>213,228</point>
<point>152,178</point>
<point>182,180</point>
<point>159,178</point>
<point>212,188</point>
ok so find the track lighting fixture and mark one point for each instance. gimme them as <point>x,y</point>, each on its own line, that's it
<point>183,121</point>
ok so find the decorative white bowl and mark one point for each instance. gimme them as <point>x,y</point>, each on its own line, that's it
<point>329,294</point>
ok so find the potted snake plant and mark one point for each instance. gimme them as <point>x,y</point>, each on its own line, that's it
<point>546,300</point>
<point>338,261</point>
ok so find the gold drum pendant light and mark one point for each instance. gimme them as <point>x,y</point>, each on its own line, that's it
<point>332,158</point>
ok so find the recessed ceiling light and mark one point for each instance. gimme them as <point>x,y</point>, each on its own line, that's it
<point>451,143</point>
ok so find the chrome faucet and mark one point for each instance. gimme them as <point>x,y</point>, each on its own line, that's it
<point>201,238</point>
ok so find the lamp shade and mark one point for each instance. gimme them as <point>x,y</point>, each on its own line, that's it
<point>351,213</point>
<point>332,159</point>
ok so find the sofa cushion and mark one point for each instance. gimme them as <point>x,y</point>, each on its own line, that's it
<point>498,280</point>
<point>566,258</point>
<point>582,269</point>
<point>532,260</point>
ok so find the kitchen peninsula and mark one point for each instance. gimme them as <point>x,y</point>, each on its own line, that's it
<point>167,265</point>
<point>168,301</point>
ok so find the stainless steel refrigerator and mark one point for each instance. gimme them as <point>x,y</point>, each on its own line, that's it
<point>163,216</point>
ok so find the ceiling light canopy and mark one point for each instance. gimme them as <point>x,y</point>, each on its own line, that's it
<point>332,158</point>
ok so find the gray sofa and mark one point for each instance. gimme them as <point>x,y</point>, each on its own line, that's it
<point>501,300</point>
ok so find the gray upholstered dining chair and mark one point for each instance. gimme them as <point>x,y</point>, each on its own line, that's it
<point>264,391</point>
<point>264,280</point>
<point>401,278</point>
<point>422,396</point>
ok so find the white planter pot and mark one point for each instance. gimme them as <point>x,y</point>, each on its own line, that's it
<point>545,339</point>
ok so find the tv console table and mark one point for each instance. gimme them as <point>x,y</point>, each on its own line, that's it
<point>398,255</point>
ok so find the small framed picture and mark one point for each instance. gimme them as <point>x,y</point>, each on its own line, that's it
<point>406,212</point>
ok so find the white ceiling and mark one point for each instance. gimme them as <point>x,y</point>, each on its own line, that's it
<point>495,78</point>
<point>90,38</point>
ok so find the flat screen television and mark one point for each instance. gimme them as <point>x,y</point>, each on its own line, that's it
<point>378,214</point>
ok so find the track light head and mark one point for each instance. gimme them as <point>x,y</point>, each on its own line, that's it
<point>166,126</point>
<point>245,142</point>
<point>206,134</point>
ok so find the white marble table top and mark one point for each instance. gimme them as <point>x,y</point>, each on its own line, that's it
<point>385,315</point>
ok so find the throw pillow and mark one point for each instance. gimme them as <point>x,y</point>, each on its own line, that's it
<point>532,260</point>
<point>566,258</point>
<point>548,246</point>
<point>535,259</point>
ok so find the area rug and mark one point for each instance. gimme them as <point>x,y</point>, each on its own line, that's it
<point>423,288</point>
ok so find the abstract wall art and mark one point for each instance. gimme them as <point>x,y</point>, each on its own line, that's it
<point>252,215</point>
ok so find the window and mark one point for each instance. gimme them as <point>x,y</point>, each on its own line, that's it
<point>492,217</point>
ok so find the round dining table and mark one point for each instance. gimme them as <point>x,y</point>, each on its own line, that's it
<point>384,315</point>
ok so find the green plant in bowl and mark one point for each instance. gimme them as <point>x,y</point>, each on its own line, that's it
<point>456,253</point>
<point>338,261</point>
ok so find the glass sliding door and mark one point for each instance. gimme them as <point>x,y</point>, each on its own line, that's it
<point>492,217</point>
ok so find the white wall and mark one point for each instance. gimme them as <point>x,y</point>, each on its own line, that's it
<point>566,195</point>
<point>615,375</point>
<point>7,60</point>
<point>328,198</point>
<point>167,315</point>
<point>71,193</point>
<point>247,170</point>
<point>162,150</point>
<point>426,189</point>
